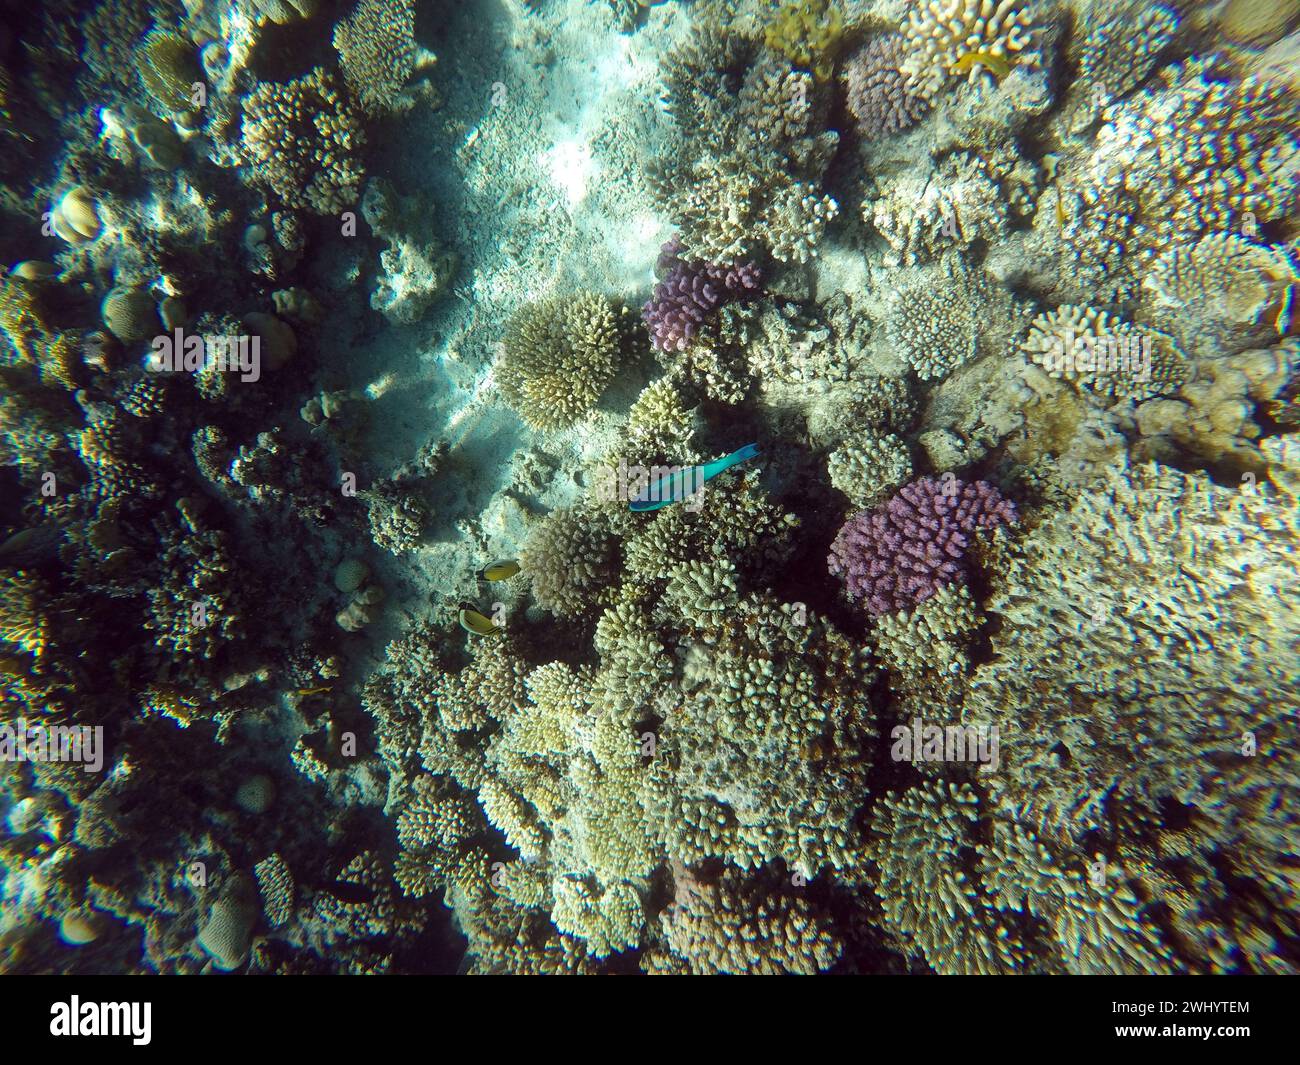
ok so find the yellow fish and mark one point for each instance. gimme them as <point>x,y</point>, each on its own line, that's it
<point>998,65</point>
<point>474,622</point>
<point>314,691</point>
<point>499,571</point>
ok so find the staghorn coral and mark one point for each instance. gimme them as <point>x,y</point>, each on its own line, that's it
<point>773,726</point>
<point>880,97</point>
<point>934,327</point>
<point>559,356</point>
<point>1196,152</point>
<point>1118,52</point>
<point>303,143</point>
<point>927,210</point>
<point>932,637</point>
<point>377,52</point>
<point>276,888</point>
<point>904,550</point>
<point>928,895</point>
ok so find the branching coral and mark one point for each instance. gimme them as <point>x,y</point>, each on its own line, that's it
<point>1223,288</point>
<point>747,174</point>
<point>905,549</point>
<point>571,556</point>
<point>880,97</point>
<point>1196,152</point>
<point>303,142</point>
<point>1103,355</point>
<point>948,37</point>
<point>1157,592</point>
<point>735,925</point>
<point>376,46</point>
<point>690,293</point>
<point>559,356</point>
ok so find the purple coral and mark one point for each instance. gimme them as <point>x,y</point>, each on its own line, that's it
<point>881,98</point>
<point>904,550</point>
<point>690,294</point>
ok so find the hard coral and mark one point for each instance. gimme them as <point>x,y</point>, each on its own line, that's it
<point>376,46</point>
<point>559,355</point>
<point>906,549</point>
<point>689,295</point>
<point>304,142</point>
<point>807,33</point>
<point>880,97</point>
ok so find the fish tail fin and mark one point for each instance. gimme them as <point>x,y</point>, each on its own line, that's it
<point>743,455</point>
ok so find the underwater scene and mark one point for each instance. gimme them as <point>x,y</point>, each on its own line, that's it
<point>649,487</point>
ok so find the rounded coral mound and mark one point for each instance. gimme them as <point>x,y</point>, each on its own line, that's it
<point>880,97</point>
<point>559,356</point>
<point>906,549</point>
<point>572,556</point>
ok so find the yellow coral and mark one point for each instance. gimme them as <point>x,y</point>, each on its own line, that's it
<point>807,33</point>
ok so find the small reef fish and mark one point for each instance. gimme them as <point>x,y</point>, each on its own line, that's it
<point>474,622</point>
<point>997,65</point>
<point>314,691</point>
<point>681,484</point>
<point>499,571</point>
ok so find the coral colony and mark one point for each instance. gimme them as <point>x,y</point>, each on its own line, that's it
<point>363,604</point>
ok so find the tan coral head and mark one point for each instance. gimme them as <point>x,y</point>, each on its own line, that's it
<point>75,217</point>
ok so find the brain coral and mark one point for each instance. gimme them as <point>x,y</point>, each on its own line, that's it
<point>304,142</point>
<point>904,550</point>
<point>559,355</point>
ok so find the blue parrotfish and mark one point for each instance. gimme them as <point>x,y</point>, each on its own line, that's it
<point>683,483</point>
